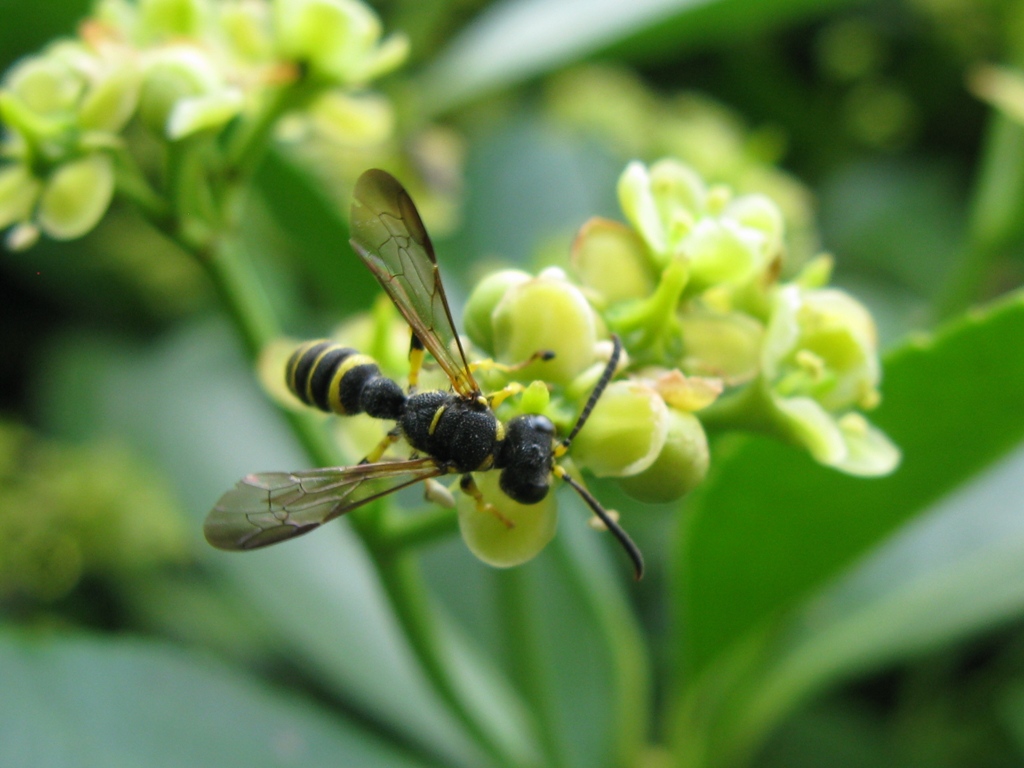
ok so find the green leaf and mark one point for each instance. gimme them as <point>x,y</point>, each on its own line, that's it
<point>769,526</point>
<point>562,629</point>
<point>518,39</point>
<point>88,701</point>
<point>947,574</point>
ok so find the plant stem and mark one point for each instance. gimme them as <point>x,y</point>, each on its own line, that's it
<point>247,304</point>
<point>995,214</point>
<point>520,633</point>
<point>408,533</point>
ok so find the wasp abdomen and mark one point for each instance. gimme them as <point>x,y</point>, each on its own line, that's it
<point>340,380</point>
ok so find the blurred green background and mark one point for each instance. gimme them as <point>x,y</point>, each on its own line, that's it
<point>791,616</point>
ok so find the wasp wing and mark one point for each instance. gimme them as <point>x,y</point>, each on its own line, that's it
<point>269,507</point>
<point>389,236</point>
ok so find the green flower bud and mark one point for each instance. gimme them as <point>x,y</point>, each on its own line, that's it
<point>535,398</point>
<point>491,539</point>
<point>338,39</point>
<point>679,468</point>
<point>612,260</point>
<point>625,433</point>
<point>174,18</point>
<point>247,27</point>
<point>546,313</point>
<point>175,73</point>
<point>477,315</point>
<point>76,196</point>
<point>46,85</point>
<point>722,344</point>
<point>111,101</point>
<point>19,190</point>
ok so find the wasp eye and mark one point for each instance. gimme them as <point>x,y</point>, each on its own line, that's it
<point>523,487</point>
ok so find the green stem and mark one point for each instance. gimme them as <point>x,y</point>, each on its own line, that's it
<point>133,186</point>
<point>602,595</point>
<point>525,659</point>
<point>409,533</point>
<point>996,214</point>
<point>248,145</point>
<point>401,578</point>
<point>248,306</point>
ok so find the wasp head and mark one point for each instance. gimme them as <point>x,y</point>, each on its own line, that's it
<point>526,458</point>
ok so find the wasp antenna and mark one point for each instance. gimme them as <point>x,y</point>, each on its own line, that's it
<point>606,377</point>
<point>617,530</point>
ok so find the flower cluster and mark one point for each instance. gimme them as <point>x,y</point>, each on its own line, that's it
<point>716,340</point>
<point>71,512</point>
<point>188,72</point>
<point>630,120</point>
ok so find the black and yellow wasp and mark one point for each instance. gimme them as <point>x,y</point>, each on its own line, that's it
<point>450,432</point>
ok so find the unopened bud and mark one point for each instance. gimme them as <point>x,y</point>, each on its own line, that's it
<point>512,533</point>
<point>545,313</point>
<point>624,433</point>
<point>679,468</point>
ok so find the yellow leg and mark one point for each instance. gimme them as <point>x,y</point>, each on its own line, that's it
<point>416,354</point>
<point>381,448</point>
<point>497,398</point>
<point>487,364</point>
<point>469,486</point>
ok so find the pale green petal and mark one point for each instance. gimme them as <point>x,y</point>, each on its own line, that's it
<point>174,18</point>
<point>110,104</point>
<point>76,196</point>
<point>783,330</point>
<point>199,113</point>
<point>637,203</point>
<point>720,252</point>
<point>677,187</point>
<point>870,452</point>
<point>389,55</point>
<point>810,425</point>
<point>611,259</point>
<point>761,213</point>
<point>19,190</point>
<point>512,533</point>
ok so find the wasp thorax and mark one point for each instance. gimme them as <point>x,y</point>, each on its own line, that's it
<point>525,458</point>
<point>452,429</point>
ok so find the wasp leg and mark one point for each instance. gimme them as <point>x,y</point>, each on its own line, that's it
<point>497,398</point>
<point>381,448</point>
<point>416,354</point>
<point>469,486</point>
<point>487,364</point>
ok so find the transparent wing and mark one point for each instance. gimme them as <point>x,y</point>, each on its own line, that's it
<point>269,507</point>
<point>389,236</point>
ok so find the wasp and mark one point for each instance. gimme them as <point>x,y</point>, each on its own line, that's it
<point>451,431</point>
